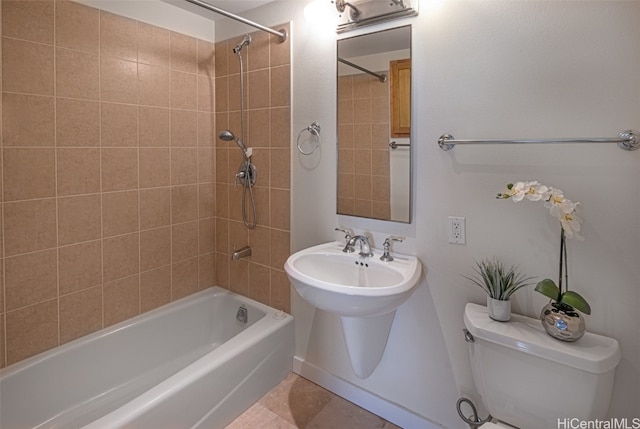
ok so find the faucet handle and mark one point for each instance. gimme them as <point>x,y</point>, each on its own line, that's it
<point>348,233</point>
<point>386,256</point>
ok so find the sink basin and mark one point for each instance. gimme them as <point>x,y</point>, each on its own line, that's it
<point>349,285</point>
<point>364,292</point>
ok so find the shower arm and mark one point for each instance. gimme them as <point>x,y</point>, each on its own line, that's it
<point>282,34</point>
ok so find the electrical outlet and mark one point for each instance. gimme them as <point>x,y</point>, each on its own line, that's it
<point>456,230</point>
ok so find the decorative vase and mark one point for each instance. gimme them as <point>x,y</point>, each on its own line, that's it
<point>562,321</point>
<point>499,310</point>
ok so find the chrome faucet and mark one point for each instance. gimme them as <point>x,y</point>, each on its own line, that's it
<point>365,248</point>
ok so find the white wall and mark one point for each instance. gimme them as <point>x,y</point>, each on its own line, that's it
<point>486,69</point>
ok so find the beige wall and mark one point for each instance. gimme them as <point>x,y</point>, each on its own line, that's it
<point>109,205</point>
<point>363,147</point>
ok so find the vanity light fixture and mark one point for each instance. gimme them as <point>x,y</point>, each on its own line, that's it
<point>367,12</point>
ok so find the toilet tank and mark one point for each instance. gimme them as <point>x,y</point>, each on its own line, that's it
<point>530,380</point>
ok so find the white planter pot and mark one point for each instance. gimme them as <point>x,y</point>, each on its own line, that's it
<point>499,310</point>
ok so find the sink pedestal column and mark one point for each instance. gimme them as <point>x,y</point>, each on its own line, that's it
<point>366,339</point>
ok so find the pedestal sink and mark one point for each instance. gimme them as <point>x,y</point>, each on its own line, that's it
<point>364,292</point>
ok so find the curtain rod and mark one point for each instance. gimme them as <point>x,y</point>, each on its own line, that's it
<point>282,34</point>
<point>627,140</point>
<point>381,77</point>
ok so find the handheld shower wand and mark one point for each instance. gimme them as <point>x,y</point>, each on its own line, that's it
<point>228,136</point>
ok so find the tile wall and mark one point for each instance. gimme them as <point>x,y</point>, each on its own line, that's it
<point>363,147</point>
<point>109,180</point>
<point>267,76</point>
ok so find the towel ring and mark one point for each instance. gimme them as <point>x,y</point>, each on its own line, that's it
<point>314,130</point>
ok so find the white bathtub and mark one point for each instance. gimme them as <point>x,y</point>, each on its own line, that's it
<point>189,364</point>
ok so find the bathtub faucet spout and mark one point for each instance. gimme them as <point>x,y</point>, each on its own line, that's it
<point>241,253</point>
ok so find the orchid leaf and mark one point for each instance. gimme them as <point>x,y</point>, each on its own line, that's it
<point>575,300</point>
<point>548,288</point>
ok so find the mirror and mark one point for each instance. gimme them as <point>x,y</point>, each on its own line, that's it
<point>374,125</point>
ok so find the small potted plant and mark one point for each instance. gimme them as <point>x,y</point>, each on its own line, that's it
<point>499,283</point>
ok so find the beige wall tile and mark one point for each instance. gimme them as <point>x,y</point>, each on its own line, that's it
<point>206,94</point>
<point>345,112</point>
<point>78,171</point>
<point>207,236</point>
<point>80,314</point>
<point>222,200</point>
<point>27,120</point>
<point>280,168</point>
<point>184,166</point>
<point>260,242</point>
<point>238,236</point>
<point>184,203</point>
<point>280,86</point>
<point>259,127</point>
<point>380,209</point>
<point>27,67</point>
<point>380,162</point>
<point>206,129</point>
<point>77,26</point>
<point>77,74</point>
<point>345,87</point>
<point>155,248</point>
<point>118,125</point>
<point>362,111</point>
<point>280,248</point>
<point>184,128</point>
<point>362,85</point>
<point>222,270</point>
<point>154,84</point>
<point>258,85</point>
<point>259,283</point>
<point>154,45</point>
<point>280,127</point>
<point>184,241</point>
<point>184,55</point>
<point>232,59</point>
<point>79,219</point>
<point>221,93</point>
<point>223,174</point>
<point>28,173</point>
<point>259,53</point>
<point>220,53</point>
<point>28,20</point>
<point>381,185</point>
<point>121,300</point>
<point>29,226</point>
<point>280,290</point>
<point>80,266</point>
<point>2,347</point>
<point>31,278</point>
<point>154,167</point>
<point>77,123</point>
<point>118,36</point>
<point>206,165</point>
<point>345,137</point>
<point>362,162</point>
<point>119,169</point>
<point>206,200</point>
<point>380,136</point>
<point>155,207</point>
<point>234,91</point>
<point>280,52</point>
<point>118,80</point>
<point>184,90</point>
<point>119,213</point>
<point>362,136</point>
<point>206,58</point>
<point>206,271</point>
<point>184,278</point>
<point>380,110</point>
<point>280,209</point>
<point>153,127</point>
<point>31,330</point>
<point>222,235</point>
<point>120,257</point>
<point>155,288</point>
<point>362,186</point>
<point>239,277</point>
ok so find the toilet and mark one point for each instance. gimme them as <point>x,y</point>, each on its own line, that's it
<point>529,380</point>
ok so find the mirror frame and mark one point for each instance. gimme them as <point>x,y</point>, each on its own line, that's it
<point>409,198</point>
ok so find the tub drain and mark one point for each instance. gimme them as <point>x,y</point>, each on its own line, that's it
<point>242,315</point>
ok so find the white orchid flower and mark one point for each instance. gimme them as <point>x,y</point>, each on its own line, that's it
<point>536,191</point>
<point>571,225</point>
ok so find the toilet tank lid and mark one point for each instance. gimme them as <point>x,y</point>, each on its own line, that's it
<point>592,353</point>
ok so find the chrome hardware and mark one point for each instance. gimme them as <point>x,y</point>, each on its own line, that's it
<point>241,253</point>
<point>365,248</point>
<point>241,176</point>
<point>347,236</point>
<point>242,315</point>
<point>468,337</point>
<point>393,145</point>
<point>386,256</point>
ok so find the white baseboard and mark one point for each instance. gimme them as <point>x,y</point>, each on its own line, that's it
<point>394,413</point>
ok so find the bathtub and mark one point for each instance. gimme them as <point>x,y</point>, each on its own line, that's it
<point>189,364</point>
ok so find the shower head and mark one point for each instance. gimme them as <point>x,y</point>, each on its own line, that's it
<point>245,42</point>
<point>228,136</point>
